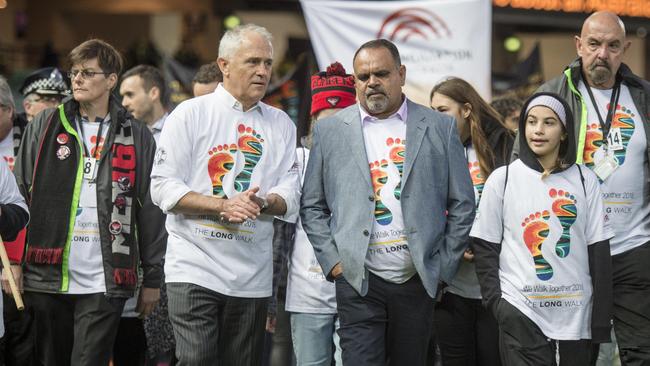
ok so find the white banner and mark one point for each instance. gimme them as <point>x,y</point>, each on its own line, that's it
<point>436,38</point>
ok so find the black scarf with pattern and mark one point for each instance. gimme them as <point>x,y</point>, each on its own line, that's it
<point>56,185</point>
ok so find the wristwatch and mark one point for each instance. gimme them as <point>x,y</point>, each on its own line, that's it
<point>265,204</point>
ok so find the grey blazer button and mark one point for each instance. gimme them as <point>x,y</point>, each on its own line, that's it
<point>366,232</point>
<point>371,198</point>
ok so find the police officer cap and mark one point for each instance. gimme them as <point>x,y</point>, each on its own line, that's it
<point>46,81</point>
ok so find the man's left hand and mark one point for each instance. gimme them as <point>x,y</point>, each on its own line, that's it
<point>17,272</point>
<point>276,204</point>
<point>468,256</point>
<point>271,322</point>
<point>147,301</point>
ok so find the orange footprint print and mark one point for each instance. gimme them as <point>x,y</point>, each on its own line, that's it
<point>593,141</point>
<point>96,153</point>
<point>535,232</point>
<point>379,178</point>
<point>10,162</point>
<point>478,180</point>
<point>220,163</point>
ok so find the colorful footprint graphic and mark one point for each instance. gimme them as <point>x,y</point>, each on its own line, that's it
<point>11,161</point>
<point>250,144</point>
<point>593,141</point>
<point>564,208</point>
<point>624,120</point>
<point>96,153</point>
<point>477,178</point>
<point>396,155</point>
<point>379,178</point>
<point>535,232</point>
<point>220,163</point>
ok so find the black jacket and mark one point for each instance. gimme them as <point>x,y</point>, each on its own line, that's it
<point>500,140</point>
<point>150,221</point>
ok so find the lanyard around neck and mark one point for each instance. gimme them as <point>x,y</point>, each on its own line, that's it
<point>606,124</point>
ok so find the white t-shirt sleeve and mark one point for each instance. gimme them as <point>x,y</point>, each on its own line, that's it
<point>171,167</point>
<point>488,223</point>
<point>9,193</point>
<point>288,184</point>
<point>597,228</point>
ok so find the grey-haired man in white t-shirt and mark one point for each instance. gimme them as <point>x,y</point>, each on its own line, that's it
<point>224,169</point>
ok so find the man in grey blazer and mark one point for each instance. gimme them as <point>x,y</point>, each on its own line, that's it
<point>387,204</point>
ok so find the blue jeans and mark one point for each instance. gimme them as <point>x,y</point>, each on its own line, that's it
<point>313,336</point>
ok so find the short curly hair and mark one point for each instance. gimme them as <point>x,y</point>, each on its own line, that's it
<point>208,73</point>
<point>507,105</point>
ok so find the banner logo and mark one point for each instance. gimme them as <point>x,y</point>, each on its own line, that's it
<point>413,22</point>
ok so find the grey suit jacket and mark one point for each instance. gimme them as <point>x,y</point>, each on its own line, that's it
<point>437,198</point>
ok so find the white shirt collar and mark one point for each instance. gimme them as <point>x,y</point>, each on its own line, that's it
<point>158,125</point>
<point>223,95</point>
<point>401,114</point>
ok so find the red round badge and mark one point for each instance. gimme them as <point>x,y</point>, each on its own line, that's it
<point>62,138</point>
<point>115,227</point>
<point>120,202</point>
<point>63,152</point>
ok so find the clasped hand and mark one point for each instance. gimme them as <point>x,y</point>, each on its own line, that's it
<point>243,206</point>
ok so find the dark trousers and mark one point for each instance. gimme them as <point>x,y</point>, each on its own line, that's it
<point>215,329</point>
<point>467,333</point>
<point>130,343</point>
<point>74,329</point>
<point>631,277</point>
<point>391,325</point>
<point>522,343</point>
<point>17,345</point>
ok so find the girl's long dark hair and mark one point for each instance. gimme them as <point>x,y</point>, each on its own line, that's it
<point>481,113</point>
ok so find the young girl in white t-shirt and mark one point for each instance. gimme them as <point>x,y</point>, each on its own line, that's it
<point>542,245</point>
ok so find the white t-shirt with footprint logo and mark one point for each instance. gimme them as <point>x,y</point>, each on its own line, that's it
<point>623,190</point>
<point>211,146</point>
<point>547,225</point>
<point>388,254</point>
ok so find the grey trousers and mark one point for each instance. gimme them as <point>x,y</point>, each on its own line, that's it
<point>215,329</point>
<point>74,329</point>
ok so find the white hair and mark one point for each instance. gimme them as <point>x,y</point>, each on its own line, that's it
<point>232,39</point>
<point>6,97</point>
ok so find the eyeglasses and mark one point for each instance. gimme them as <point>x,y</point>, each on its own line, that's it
<point>85,74</point>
